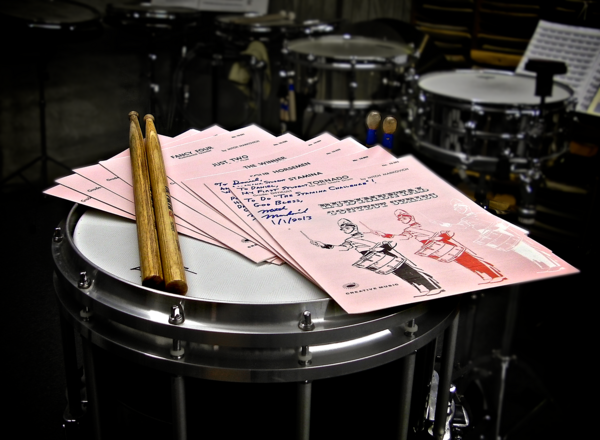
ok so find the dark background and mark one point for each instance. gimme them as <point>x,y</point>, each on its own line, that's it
<point>91,83</point>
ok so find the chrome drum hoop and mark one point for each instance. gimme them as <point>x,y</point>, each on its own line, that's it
<point>232,342</point>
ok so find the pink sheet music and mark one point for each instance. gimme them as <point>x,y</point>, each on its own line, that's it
<point>371,238</point>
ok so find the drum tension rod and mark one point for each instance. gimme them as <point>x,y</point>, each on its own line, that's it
<point>177,317</point>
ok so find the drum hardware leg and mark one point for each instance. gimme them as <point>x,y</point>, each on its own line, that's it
<point>530,182</point>
<point>443,395</point>
<point>258,74</point>
<point>407,379</point>
<point>75,409</point>
<point>91,384</point>
<point>304,394</point>
<point>214,79</point>
<point>178,409</point>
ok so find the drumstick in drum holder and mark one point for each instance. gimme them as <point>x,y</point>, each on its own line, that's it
<point>168,240</point>
<point>150,265</point>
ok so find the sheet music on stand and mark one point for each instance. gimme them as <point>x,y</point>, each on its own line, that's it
<point>579,47</point>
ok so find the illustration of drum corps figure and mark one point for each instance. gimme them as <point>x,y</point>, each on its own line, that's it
<point>382,257</point>
<point>496,235</point>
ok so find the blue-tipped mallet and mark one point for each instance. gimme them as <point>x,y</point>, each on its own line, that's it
<point>373,120</point>
<point>389,127</point>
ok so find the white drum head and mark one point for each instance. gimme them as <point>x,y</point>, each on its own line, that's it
<point>213,274</point>
<point>487,87</point>
<point>347,48</point>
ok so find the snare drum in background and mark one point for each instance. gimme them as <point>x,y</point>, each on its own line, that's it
<point>240,30</point>
<point>151,18</point>
<point>48,22</point>
<point>479,118</point>
<point>346,72</point>
<point>241,324</point>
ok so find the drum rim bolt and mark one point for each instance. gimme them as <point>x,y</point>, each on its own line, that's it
<point>84,282</point>
<point>85,314</point>
<point>305,356</point>
<point>410,328</point>
<point>177,315</point>
<point>177,351</point>
<point>306,323</point>
<point>58,236</point>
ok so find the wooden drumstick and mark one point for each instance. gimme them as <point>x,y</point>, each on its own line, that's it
<point>373,120</point>
<point>389,127</point>
<point>168,240</point>
<point>150,265</point>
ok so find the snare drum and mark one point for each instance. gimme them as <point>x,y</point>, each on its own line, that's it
<point>344,72</point>
<point>240,30</point>
<point>43,22</point>
<point>477,118</point>
<point>151,18</point>
<point>239,323</point>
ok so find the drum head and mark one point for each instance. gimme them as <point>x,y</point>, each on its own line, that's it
<point>489,87</point>
<point>213,274</point>
<point>346,48</point>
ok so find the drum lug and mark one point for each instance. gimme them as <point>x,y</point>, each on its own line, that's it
<point>306,322</point>
<point>58,236</point>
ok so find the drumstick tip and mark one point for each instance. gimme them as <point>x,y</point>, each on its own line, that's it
<point>177,286</point>
<point>133,113</point>
<point>149,116</point>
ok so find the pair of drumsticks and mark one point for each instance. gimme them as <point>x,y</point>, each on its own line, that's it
<point>161,263</point>
<point>389,127</point>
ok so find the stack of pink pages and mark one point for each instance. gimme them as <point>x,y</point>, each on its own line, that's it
<point>373,231</point>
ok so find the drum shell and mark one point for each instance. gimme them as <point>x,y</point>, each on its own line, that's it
<point>232,342</point>
<point>511,132</point>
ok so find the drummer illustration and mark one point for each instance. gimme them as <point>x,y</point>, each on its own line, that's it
<point>496,235</point>
<point>442,247</point>
<point>383,259</point>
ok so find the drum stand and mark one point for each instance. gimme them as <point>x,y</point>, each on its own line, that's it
<point>501,361</point>
<point>42,71</point>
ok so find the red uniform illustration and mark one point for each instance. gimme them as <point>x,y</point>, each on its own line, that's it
<point>441,246</point>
